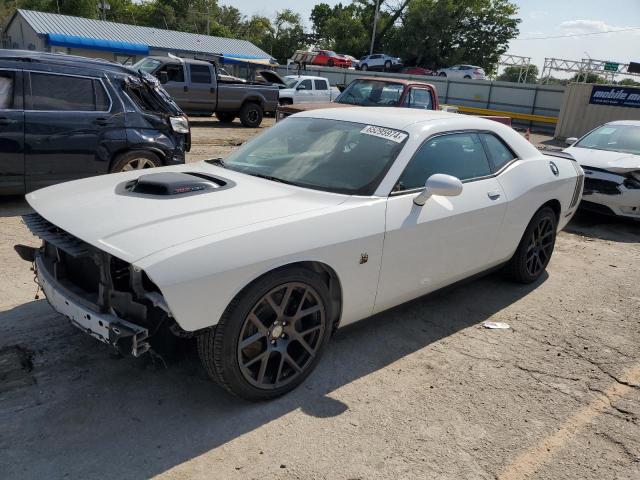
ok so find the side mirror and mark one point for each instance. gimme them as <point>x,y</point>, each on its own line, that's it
<point>163,77</point>
<point>301,87</point>
<point>439,184</point>
<point>571,140</point>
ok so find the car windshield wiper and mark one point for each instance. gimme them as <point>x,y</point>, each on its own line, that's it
<point>269,177</point>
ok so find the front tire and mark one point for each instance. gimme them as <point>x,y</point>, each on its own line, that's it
<point>364,67</point>
<point>271,336</point>
<point>535,248</point>
<point>251,115</point>
<point>442,74</point>
<point>135,160</point>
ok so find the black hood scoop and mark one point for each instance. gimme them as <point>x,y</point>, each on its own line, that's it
<point>174,184</point>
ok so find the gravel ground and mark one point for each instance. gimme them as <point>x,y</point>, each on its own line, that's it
<point>422,391</point>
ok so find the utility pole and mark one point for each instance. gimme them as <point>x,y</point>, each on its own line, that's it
<point>208,20</point>
<point>375,24</point>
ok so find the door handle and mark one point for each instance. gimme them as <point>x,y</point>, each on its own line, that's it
<point>494,195</point>
<point>7,121</point>
<point>185,88</point>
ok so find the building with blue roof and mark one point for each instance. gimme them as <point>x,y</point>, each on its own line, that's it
<point>50,32</point>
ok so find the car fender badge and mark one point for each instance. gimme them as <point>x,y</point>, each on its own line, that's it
<point>554,168</point>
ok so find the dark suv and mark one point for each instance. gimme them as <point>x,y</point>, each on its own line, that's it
<point>64,117</point>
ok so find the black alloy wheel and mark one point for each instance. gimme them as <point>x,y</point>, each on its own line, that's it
<point>271,336</point>
<point>540,246</point>
<point>535,248</point>
<point>281,335</point>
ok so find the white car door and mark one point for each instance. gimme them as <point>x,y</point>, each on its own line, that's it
<point>375,61</point>
<point>448,238</point>
<point>304,92</point>
<point>321,90</point>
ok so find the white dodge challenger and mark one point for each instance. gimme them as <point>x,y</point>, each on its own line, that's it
<point>322,220</point>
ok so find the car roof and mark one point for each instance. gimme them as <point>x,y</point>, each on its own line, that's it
<point>389,117</point>
<point>174,60</point>
<point>304,77</point>
<point>64,60</point>
<point>634,123</point>
<point>403,81</point>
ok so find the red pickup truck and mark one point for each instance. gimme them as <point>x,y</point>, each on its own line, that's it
<point>375,92</point>
<point>380,92</point>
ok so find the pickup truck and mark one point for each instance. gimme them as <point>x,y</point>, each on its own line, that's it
<point>375,92</point>
<point>194,86</point>
<point>301,88</point>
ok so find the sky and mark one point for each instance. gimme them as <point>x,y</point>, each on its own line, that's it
<point>540,18</point>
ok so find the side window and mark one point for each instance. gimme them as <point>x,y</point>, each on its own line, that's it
<point>419,98</point>
<point>175,73</point>
<point>200,73</point>
<point>62,93</point>
<point>321,85</point>
<point>499,153</point>
<point>7,80</point>
<point>306,84</point>
<point>457,154</point>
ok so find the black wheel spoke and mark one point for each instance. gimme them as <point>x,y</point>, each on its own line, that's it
<point>251,340</point>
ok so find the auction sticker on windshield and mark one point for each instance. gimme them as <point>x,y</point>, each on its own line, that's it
<point>386,133</point>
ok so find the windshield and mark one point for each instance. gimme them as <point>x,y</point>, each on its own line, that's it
<point>147,65</point>
<point>371,93</point>
<point>615,138</point>
<point>290,81</point>
<point>322,154</point>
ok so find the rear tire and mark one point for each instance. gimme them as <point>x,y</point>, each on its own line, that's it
<point>468,77</point>
<point>535,248</point>
<point>387,66</point>
<point>330,63</point>
<point>225,117</point>
<point>251,115</point>
<point>135,160</point>
<point>285,101</point>
<point>364,67</point>
<point>442,74</point>
<point>258,350</point>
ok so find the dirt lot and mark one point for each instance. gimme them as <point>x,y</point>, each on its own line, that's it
<point>422,391</point>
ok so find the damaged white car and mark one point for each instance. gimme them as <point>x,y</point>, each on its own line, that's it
<point>610,158</point>
<point>322,220</point>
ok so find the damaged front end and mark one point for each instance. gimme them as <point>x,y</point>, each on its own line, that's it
<point>104,296</point>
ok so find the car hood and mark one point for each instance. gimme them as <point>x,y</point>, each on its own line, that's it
<point>618,162</point>
<point>303,107</point>
<point>132,227</point>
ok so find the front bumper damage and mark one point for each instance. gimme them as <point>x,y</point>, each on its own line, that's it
<point>611,193</point>
<point>107,298</point>
<point>125,336</point>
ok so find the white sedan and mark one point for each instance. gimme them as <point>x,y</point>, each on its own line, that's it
<point>324,219</point>
<point>610,157</point>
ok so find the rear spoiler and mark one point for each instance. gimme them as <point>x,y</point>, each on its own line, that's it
<point>558,154</point>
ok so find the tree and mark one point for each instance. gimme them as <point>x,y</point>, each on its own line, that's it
<point>590,78</point>
<point>513,74</point>
<point>286,36</point>
<point>436,33</point>
<point>629,82</point>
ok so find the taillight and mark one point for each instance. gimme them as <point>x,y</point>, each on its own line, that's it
<point>479,71</point>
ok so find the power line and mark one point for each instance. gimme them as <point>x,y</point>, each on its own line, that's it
<point>580,34</point>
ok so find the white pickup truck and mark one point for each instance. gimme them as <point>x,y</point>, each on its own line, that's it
<point>302,88</point>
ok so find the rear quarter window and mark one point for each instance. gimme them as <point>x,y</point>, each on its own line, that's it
<point>52,92</point>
